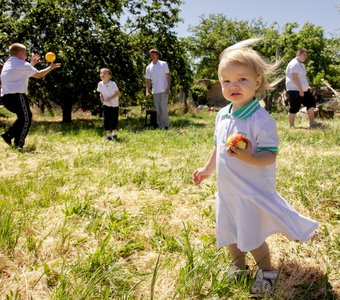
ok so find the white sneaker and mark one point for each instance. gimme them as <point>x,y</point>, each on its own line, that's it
<point>237,273</point>
<point>264,283</point>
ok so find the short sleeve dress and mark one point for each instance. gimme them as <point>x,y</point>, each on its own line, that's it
<point>248,207</point>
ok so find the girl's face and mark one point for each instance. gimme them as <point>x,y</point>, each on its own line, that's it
<point>105,76</point>
<point>239,83</point>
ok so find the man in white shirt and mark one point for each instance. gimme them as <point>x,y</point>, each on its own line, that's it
<point>157,73</point>
<point>297,87</point>
<point>14,87</point>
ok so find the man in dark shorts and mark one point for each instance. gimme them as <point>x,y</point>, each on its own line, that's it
<point>297,87</point>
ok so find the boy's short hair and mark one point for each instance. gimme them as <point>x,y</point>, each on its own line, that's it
<point>301,51</point>
<point>16,48</point>
<point>153,51</point>
<point>106,70</point>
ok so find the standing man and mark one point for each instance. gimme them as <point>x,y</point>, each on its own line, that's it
<point>297,87</point>
<point>158,73</point>
<point>14,80</point>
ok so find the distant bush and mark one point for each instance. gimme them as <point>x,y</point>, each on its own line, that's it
<point>199,94</point>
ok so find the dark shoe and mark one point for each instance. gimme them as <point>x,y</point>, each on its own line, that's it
<point>6,138</point>
<point>109,138</point>
<point>315,124</point>
<point>115,137</point>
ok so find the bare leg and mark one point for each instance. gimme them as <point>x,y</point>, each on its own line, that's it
<point>291,119</point>
<point>238,257</point>
<point>310,113</point>
<point>262,257</point>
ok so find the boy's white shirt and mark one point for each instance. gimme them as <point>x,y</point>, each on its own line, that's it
<point>107,90</point>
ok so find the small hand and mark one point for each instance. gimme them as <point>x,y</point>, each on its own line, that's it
<point>199,175</point>
<point>242,154</point>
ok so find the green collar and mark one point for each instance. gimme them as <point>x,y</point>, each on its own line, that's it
<point>244,112</point>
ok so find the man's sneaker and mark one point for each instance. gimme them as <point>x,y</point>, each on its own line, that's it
<point>109,138</point>
<point>115,137</point>
<point>315,124</point>
<point>264,283</point>
<point>6,138</point>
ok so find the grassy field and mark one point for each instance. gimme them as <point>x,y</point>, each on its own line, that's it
<point>83,218</point>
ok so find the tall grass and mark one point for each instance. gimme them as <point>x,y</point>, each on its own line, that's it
<point>82,218</point>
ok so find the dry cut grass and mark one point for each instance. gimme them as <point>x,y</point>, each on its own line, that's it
<point>82,218</point>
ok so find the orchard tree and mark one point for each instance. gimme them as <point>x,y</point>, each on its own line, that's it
<point>210,38</point>
<point>152,24</point>
<point>87,35</point>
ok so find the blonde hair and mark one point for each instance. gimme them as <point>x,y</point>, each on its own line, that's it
<point>16,48</point>
<point>240,53</point>
<point>107,70</point>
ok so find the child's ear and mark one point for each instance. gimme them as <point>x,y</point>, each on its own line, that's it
<point>258,81</point>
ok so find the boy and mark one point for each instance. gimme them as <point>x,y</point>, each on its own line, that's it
<point>109,97</point>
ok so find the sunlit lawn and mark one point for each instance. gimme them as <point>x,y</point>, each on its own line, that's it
<point>83,218</point>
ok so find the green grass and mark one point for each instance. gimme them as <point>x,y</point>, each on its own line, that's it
<point>82,218</point>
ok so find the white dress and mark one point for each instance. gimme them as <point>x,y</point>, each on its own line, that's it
<point>249,209</point>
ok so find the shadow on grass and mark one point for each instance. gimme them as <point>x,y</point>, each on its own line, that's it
<point>133,124</point>
<point>304,282</point>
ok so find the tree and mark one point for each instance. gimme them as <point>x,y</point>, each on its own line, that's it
<point>151,24</point>
<point>216,32</point>
<point>210,38</point>
<point>87,35</point>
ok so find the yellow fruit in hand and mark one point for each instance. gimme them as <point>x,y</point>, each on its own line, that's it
<point>238,141</point>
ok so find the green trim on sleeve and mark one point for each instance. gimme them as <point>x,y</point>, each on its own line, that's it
<point>270,149</point>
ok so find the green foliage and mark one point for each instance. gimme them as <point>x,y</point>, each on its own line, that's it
<point>216,32</point>
<point>199,94</point>
<point>88,35</point>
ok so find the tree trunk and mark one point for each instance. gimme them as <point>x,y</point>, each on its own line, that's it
<point>268,101</point>
<point>67,112</point>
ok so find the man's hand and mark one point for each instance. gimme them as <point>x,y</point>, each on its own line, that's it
<point>35,58</point>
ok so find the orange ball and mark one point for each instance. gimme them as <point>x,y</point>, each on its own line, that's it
<point>50,57</point>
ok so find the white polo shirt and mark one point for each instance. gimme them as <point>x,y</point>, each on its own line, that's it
<point>248,208</point>
<point>158,74</point>
<point>107,90</point>
<point>295,66</point>
<point>14,76</point>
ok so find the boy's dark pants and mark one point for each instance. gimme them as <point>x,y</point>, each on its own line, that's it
<point>18,104</point>
<point>110,117</point>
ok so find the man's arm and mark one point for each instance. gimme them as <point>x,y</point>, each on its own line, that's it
<point>295,77</point>
<point>44,72</point>
<point>168,78</point>
<point>147,91</point>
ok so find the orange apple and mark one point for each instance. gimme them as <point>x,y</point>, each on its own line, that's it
<point>239,141</point>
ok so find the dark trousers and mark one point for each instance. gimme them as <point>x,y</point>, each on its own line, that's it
<point>110,117</point>
<point>18,104</point>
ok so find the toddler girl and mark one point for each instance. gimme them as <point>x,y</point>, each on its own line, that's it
<point>248,207</point>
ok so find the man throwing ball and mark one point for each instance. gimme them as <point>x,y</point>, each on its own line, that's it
<point>14,80</point>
